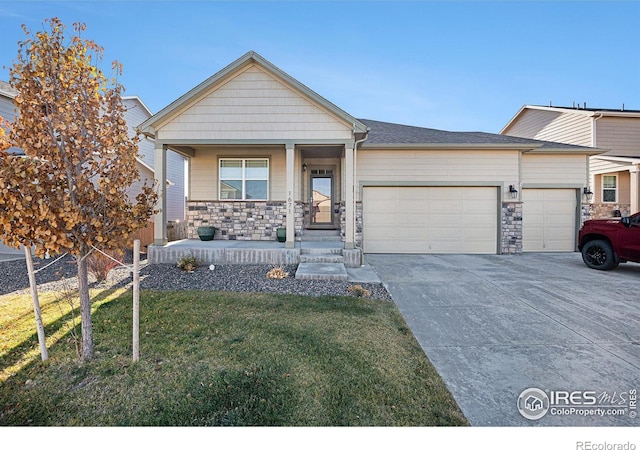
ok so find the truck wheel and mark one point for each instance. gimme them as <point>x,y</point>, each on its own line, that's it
<point>599,255</point>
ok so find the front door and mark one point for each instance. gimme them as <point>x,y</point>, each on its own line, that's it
<point>321,201</point>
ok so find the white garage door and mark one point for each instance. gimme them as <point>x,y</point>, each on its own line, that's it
<point>548,220</point>
<point>430,219</point>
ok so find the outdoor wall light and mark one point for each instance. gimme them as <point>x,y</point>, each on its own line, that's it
<point>587,193</point>
<point>304,167</point>
<point>513,191</point>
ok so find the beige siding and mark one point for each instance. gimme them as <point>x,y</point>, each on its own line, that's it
<point>599,165</point>
<point>569,128</point>
<point>554,169</point>
<point>532,122</point>
<point>621,134</point>
<point>254,105</point>
<point>437,166</point>
<point>204,171</point>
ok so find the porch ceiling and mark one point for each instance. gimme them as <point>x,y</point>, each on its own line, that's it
<point>322,151</point>
<point>190,150</point>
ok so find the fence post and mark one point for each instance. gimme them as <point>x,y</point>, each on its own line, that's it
<point>136,300</point>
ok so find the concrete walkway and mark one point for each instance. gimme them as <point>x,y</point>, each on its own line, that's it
<point>494,326</point>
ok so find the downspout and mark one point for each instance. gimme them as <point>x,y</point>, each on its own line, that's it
<point>593,132</point>
<point>591,181</point>
<point>355,171</point>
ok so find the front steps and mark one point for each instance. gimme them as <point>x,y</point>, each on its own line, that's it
<point>319,259</point>
<point>321,236</point>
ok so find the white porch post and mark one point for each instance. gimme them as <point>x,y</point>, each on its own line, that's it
<point>291,210</point>
<point>349,199</point>
<point>634,200</point>
<point>160,170</point>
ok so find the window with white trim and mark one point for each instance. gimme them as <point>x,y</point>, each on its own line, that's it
<point>609,188</point>
<point>243,179</point>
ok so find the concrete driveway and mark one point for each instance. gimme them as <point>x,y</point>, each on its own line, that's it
<point>495,326</point>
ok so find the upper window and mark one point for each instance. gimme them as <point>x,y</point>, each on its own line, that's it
<point>244,179</point>
<point>609,188</point>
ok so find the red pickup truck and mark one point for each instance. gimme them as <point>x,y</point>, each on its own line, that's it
<point>605,243</point>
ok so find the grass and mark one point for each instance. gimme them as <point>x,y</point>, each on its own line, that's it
<point>212,358</point>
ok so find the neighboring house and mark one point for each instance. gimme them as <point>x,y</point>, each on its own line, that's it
<point>264,148</point>
<point>136,113</point>
<point>7,112</point>
<point>614,175</point>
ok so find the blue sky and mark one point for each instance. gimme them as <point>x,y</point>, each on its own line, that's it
<point>453,65</point>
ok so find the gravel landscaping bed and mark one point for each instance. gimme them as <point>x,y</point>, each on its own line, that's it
<point>245,278</point>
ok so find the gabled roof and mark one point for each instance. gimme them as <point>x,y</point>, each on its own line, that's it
<point>139,100</point>
<point>589,112</point>
<point>147,127</point>
<point>384,134</point>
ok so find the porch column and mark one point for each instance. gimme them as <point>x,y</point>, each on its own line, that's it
<point>160,171</point>
<point>634,200</point>
<point>349,199</point>
<point>291,220</point>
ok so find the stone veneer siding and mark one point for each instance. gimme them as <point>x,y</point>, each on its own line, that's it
<point>343,223</point>
<point>242,221</point>
<point>511,228</point>
<point>605,210</point>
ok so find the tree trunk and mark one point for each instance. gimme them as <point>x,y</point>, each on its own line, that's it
<point>85,308</point>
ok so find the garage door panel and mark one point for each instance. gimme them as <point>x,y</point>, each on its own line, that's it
<point>430,219</point>
<point>548,220</point>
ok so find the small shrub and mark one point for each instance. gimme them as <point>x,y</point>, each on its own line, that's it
<point>358,291</point>
<point>100,265</point>
<point>188,263</point>
<point>277,273</point>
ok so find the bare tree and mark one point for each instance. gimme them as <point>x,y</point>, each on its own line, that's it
<point>70,193</point>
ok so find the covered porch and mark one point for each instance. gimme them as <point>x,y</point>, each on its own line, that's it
<point>248,192</point>
<point>616,186</point>
<point>264,152</point>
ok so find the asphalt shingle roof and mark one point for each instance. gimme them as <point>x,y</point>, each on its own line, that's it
<point>393,133</point>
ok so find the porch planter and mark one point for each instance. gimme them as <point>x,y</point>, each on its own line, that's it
<point>206,233</point>
<point>281,234</point>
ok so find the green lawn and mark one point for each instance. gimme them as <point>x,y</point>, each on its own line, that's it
<point>213,358</point>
